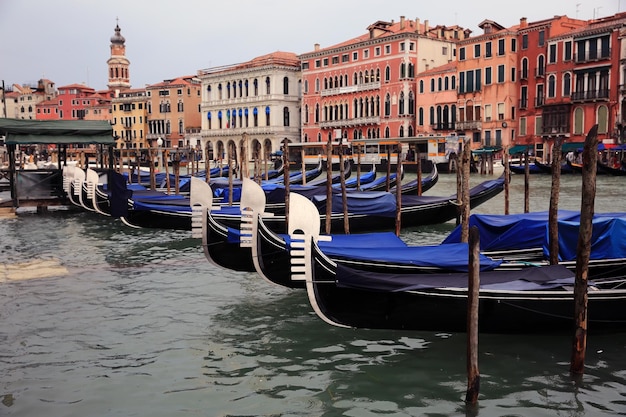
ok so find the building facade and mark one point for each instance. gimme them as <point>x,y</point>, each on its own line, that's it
<point>173,110</point>
<point>129,118</point>
<point>366,87</point>
<point>257,101</point>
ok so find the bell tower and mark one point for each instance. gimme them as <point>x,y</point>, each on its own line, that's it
<point>119,77</point>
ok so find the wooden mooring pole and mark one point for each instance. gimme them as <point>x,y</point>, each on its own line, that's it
<point>507,177</point>
<point>286,175</point>
<point>398,190</point>
<point>465,198</point>
<point>344,195</point>
<point>473,291</point>
<point>329,184</point>
<point>583,250</point>
<point>526,182</point>
<point>553,212</point>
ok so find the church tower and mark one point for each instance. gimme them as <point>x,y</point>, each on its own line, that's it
<point>119,78</point>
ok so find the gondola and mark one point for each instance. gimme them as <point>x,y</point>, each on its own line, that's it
<point>374,211</point>
<point>521,169</point>
<point>531,299</point>
<point>566,168</point>
<point>604,168</point>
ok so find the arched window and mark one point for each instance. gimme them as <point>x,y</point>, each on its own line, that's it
<point>453,86</point>
<point>387,74</point>
<point>387,134</point>
<point>420,117</point>
<point>401,132</point>
<point>402,70</point>
<point>578,121</point>
<point>267,115</point>
<point>317,85</point>
<point>432,116</point>
<point>411,109</point>
<point>285,85</point>
<point>439,84</point>
<point>432,85</point>
<point>228,90</point>
<point>552,86</point>
<point>567,84</point>
<point>286,116</point>
<point>603,119</point>
<point>541,65</point>
<point>410,131</point>
<point>387,105</point>
<point>524,71</point>
<point>317,113</point>
<point>255,117</point>
<point>256,87</point>
<point>401,103</point>
<point>446,83</point>
<point>268,89</point>
<point>219,91</point>
<point>306,113</point>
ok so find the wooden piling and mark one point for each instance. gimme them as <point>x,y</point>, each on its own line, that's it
<point>465,197</point>
<point>230,174</point>
<point>526,182</point>
<point>473,291</point>
<point>286,176</point>
<point>418,161</point>
<point>507,177</point>
<point>387,184</point>
<point>166,157</point>
<point>303,166</point>
<point>398,191</point>
<point>358,168</point>
<point>329,184</point>
<point>344,195</point>
<point>553,212</point>
<point>583,250</point>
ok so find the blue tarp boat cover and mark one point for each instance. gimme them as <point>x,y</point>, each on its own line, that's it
<point>530,230</point>
<point>376,203</point>
<point>527,279</point>
<point>451,257</point>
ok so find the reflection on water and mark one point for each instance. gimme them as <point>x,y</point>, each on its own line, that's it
<point>141,324</point>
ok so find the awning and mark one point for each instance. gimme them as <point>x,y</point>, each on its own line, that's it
<point>572,146</point>
<point>517,149</point>
<point>23,132</point>
<point>486,150</point>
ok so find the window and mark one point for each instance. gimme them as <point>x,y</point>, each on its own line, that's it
<point>355,56</point>
<point>500,73</point>
<point>522,126</point>
<point>345,58</point>
<point>286,116</point>
<point>335,60</point>
<point>488,50</point>
<point>366,53</point>
<point>542,37</point>
<point>487,112</point>
<point>325,62</point>
<point>377,51</point>
<point>402,46</point>
<point>552,86</point>
<point>501,48</point>
<point>567,84</point>
<point>421,87</point>
<point>462,54</point>
<point>500,111</point>
<point>285,85</point>
<point>387,49</point>
<point>538,125</point>
<point>477,50</point>
<point>603,119</point>
<point>552,53</point>
<point>525,41</point>
<point>488,76</point>
<point>567,51</point>
<point>578,121</point>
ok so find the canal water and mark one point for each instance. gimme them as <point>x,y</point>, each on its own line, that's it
<point>99,319</point>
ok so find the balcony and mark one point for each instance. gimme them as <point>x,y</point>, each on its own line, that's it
<point>591,95</point>
<point>540,101</point>
<point>359,121</point>
<point>350,89</point>
<point>469,125</point>
<point>593,55</point>
<point>523,103</point>
<point>540,72</point>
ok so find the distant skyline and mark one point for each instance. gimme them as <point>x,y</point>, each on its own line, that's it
<point>68,41</point>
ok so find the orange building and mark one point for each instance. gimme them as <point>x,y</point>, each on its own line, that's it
<point>487,86</point>
<point>546,63</point>
<point>173,109</point>
<point>366,87</point>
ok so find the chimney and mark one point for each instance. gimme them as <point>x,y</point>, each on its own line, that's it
<point>401,22</point>
<point>417,25</point>
<point>523,22</point>
<point>316,47</point>
<point>488,28</point>
<point>426,27</point>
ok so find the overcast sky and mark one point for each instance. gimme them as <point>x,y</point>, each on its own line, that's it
<point>68,41</point>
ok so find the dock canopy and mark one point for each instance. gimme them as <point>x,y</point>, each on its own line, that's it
<point>517,149</point>
<point>23,132</point>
